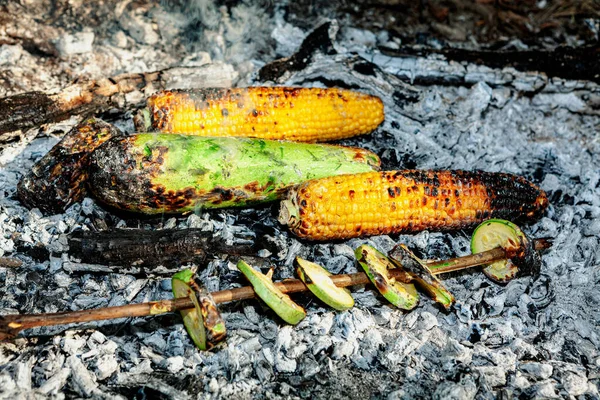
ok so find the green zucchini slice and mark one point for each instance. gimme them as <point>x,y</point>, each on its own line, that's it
<point>278,301</point>
<point>376,265</point>
<point>501,233</point>
<point>211,317</point>
<point>192,318</point>
<point>406,259</point>
<point>317,280</point>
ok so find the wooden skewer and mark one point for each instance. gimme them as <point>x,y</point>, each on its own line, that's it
<point>11,325</point>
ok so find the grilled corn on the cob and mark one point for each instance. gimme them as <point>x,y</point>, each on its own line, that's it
<point>286,113</point>
<point>375,203</point>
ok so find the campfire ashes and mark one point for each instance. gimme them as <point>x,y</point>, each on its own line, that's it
<point>536,337</point>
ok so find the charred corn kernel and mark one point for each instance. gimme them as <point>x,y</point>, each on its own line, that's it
<point>297,114</point>
<point>376,203</point>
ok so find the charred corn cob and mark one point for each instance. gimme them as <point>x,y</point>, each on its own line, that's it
<point>376,203</point>
<point>283,113</point>
<point>159,173</point>
<point>59,179</point>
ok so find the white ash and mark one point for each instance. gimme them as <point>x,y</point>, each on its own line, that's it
<point>529,338</point>
<point>77,43</point>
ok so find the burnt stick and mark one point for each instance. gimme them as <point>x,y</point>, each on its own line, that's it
<point>577,63</point>
<point>144,248</point>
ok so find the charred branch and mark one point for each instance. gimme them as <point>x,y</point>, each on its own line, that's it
<point>563,62</point>
<point>144,248</point>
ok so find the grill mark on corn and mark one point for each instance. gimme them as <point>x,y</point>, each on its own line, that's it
<point>299,114</point>
<point>470,197</point>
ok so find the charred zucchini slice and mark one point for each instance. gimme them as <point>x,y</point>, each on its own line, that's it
<point>522,257</point>
<point>406,259</point>
<point>192,318</point>
<point>376,265</point>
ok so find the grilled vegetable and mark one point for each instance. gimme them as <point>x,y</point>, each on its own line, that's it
<point>376,266</point>
<point>378,203</point>
<point>192,318</point>
<point>211,317</point>
<point>407,260</point>
<point>204,322</point>
<point>159,173</point>
<point>59,179</point>
<point>317,280</point>
<point>278,301</point>
<point>298,114</point>
<point>523,258</point>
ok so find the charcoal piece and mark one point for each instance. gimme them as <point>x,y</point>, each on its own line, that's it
<point>563,62</point>
<point>59,178</point>
<point>319,40</point>
<point>169,247</point>
<point>23,111</point>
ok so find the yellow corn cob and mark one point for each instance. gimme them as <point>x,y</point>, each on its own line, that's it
<point>298,114</point>
<point>376,203</point>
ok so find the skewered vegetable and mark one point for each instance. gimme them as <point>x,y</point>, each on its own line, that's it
<point>298,114</point>
<point>398,291</point>
<point>522,256</point>
<point>278,301</point>
<point>211,317</point>
<point>378,203</point>
<point>159,173</point>
<point>407,260</point>
<point>11,325</point>
<point>318,281</point>
<point>204,323</point>
<point>192,317</point>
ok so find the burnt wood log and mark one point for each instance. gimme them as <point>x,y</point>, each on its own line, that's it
<point>168,247</point>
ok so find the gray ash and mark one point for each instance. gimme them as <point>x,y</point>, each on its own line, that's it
<point>531,338</point>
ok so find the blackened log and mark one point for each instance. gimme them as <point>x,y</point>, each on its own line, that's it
<point>133,247</point>
<point>59,178</point>
<point>563,62</point>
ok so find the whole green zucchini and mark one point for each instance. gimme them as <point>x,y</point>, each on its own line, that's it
<point>165,173</point>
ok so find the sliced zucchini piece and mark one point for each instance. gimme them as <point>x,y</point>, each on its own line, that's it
<point>278,301</point>
<point>376,266</point>
<point>317,280</point>
<point>213,321</point>
<point>406,259</point>
<point>522,257</point>
<point>192,318</point>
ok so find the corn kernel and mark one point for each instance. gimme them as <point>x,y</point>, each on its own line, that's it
<point>297,114</point>
<point>376,203</point>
